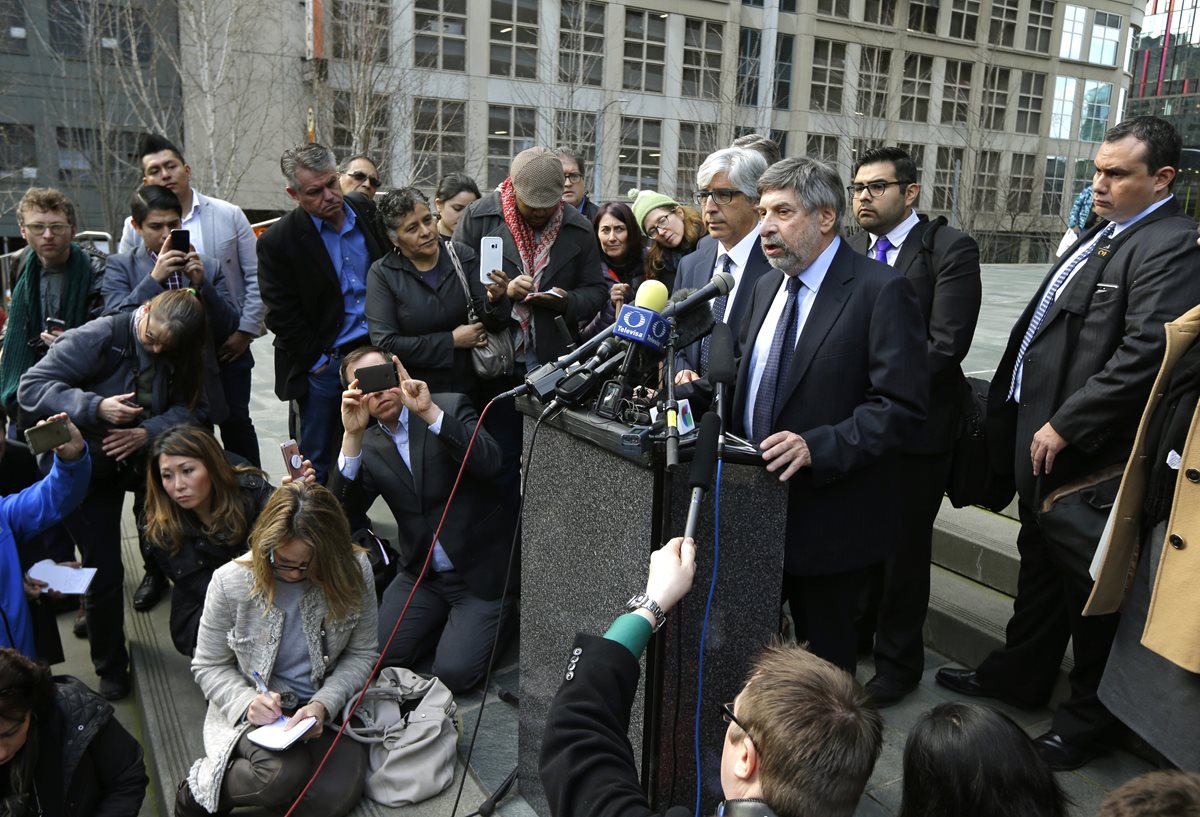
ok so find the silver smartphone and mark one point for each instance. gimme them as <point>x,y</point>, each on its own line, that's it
<point>491,257</point>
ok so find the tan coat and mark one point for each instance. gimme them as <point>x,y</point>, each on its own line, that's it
<point>1173,622</point>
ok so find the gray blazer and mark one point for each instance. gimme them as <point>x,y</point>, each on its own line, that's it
<point>127,283</point>
<point>240,633</point>
<point>228,238</point>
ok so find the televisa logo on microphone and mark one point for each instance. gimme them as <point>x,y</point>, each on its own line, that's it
<point>643,326</point>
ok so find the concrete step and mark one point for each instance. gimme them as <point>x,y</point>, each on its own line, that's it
<point>979,545</point>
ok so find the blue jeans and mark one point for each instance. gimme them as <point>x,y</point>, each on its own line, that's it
<point>321,419</point>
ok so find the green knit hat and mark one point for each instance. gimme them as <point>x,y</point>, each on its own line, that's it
<point>647,201</point>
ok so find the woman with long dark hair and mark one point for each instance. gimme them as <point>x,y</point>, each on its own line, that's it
<point>621,254</point>
<point>62,751</point>
<point>454,193</point>
<point>303,592</point>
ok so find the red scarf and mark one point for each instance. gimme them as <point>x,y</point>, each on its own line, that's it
<point>535,256</point>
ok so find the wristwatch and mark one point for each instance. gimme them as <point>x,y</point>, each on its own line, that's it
<point>643,602</point>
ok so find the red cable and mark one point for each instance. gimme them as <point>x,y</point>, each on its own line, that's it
<point>424,567</point>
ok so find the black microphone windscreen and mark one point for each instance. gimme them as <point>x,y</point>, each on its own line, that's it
<point>692,325</point>
<point>721,365</point>
<point>704,455</point>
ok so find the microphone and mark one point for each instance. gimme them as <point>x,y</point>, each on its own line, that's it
<point>704,462</point>
<point>642,322</point>
<point>692,325</point>
<point>720,284</point>
<point>577,385</point>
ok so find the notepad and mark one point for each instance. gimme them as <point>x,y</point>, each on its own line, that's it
<point>274,736</point>
<point>70,581</point>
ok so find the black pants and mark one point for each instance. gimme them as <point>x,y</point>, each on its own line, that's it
<point>269,779</point>
<point>237,431</point>
<point>823,609</point>
<point>1052,587</point>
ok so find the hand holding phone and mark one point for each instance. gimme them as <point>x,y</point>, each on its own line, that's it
<point>181,240</point>
<point>292,459</point>
<point>377,378</point>
<point>491,257</point>
<point>47,435</point>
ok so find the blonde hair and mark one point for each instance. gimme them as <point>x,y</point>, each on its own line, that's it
<point>181,315</point>
<point>312,515</point>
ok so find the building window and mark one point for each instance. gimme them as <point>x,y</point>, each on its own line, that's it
<point>1071,45</point>
<point>1053,185</point>
<point>917,154</point>
<point>964,19</point>
<point>119,32</point>
<point>995,97</point>
<point>784,44</point>
<point>1106,37</point>
<point>514,39</point>
<point>914,93</point>
<point>577,130</point>
<point>1084,171</point>
<point>361,30</point>
<point>645,50</point>
<point>696,141</point>
<point>823,147</point>
<point>639,154</point>
<point>873,71</point>
<point>834,8</point>
<point>987,181</point>
<point>510,131</point>
<point>361,124</point>
<point>702,58</point>
<point>1063,110</point>
<point>18,154</point>
<point>956,93</point>
<point>828,76</point>
<point>949,165</point>
<point>749,50</point>
<point>1020,189</point>
<point>439,140</point>
<point>923,15</point>
<point>1029,102</point>
<point>440,39</point>
<point>882,12</point>
<point>581,43</point>
<point>14,31</point>
<point>1134,34</point>
<point>1041,20</point>
<point>1097,101</point>
<point>1003,28</point>
<point>85,156</point>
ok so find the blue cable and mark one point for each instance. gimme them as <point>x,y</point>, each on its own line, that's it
<point>712,586</point>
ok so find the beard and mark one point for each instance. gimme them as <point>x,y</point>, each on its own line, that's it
<point>796,256</point>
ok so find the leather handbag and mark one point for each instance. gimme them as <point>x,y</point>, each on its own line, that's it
<point>1073,516</point>
<point>496,359</point>
<point>973,480</point>
<point>407,724</point>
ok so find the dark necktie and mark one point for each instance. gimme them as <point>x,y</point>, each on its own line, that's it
<point>779,360</point>
<point>1047,301</point>
<point>879,252</point>
<point>718,309</point>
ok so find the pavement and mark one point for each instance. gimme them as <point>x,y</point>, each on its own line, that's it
<point>166,709</point>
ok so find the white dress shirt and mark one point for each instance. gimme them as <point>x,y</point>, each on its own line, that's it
<point>739,254</point>
<point>896,236</point>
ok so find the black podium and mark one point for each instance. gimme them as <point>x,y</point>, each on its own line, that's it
<point>595,508</point>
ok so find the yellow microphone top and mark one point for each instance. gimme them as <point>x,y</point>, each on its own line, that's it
<point>651,295</point>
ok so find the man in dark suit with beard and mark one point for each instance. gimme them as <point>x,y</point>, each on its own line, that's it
<point>942,264</point>
<point>312,273</point>
<point>832,383</point>
<point>1063,409</point>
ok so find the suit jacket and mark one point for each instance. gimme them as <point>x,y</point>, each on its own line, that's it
<point>942,264</point>
<point>574,266</point>
<point>1089,369</point>
<point>478,532</point>
<point>856,393</point>
<point>228,238</point>
<point>696,269</point>
<point>301,291</point>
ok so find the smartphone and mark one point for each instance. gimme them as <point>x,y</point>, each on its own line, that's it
<point>491,257</point>
<point>181,240</point>
<point>377,378</point>
<point>47,436</point>
<point>292,459</point>
<point>56,325</point>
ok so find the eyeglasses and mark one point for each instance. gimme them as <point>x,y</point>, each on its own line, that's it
<point>720,196</point>
<point>301,569</point>
<point>573,178</point>
<point>659,223</point>
<point>361,177</point>
<point>728,716</point>
<point>57,228</point>
<point>876,189</point>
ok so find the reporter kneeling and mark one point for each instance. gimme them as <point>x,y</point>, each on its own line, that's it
<point>62,752</point>
<point>303,590</point>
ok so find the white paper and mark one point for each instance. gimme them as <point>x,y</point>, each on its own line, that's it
<point>71,581</point>
<point>1104,543</point>
<point>274,736</point>
<point>1174,460</point>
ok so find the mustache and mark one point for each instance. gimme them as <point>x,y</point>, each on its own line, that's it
<point>773,242</point>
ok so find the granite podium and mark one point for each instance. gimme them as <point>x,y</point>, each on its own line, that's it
<point>594,511</point>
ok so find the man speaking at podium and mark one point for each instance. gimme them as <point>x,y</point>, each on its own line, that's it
<point>832,381</point>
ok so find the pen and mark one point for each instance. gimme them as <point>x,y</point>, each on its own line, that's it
<point>259,683</point>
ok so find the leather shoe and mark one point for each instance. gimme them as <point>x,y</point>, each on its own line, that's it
<point>1063,755</point>
<point>966,682</point>
<point>149,592</point>
<point>885,691</point>
<point>115,687</point>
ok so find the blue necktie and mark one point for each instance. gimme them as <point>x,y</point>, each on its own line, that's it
<point>779,360</point>
<point>718,309</point>
<point>1047,301</point>
<point>882,245</point>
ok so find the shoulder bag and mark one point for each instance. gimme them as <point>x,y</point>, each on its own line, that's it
<point>496,358</point>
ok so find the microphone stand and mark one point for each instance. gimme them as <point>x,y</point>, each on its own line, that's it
<point>670,404</point>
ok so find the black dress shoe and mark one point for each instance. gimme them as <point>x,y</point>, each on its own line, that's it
<point>885,691</point>
<point>115,687</point>
<point>1063,755</point>
<point>966,682</point>
<point>149,592</point>
<point>79,628</point>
